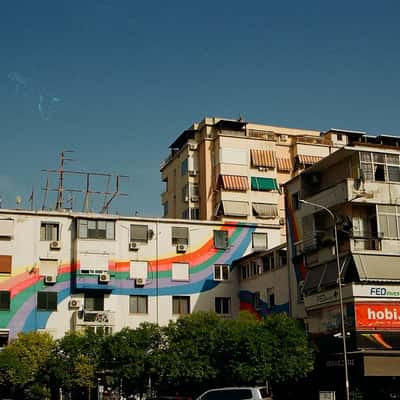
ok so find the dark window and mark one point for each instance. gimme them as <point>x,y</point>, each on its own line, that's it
<point>94,302</point>
<point>4,337</point>
<point>223,305</point>
<point>139,233</point>
<point>194,213</point>
<point>47,301</point>
<point>181,305</point>
<point>5,300</point>
<point>184,167</point>
<point>271,300</point>
<point>49,231</point>
<point>339,137</point>
<point>180,235</point>
<point>5,264</point>
<point>256,301</point>
<point>296,200</point>
<point>221,240</point>
<point>96,229</point>
<point>138,304</point>
<point>221,272</point>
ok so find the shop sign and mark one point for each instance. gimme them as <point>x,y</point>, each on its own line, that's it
<point>375,316</point>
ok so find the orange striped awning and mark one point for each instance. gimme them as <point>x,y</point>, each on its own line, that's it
<point>303,159</point>
<point>262,158</point>
<point>284,164</point>
<point>234,182</point>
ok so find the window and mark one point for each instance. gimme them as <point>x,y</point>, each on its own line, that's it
<point>193,189</point>
<point>221,239</point>
<point>260,240</point>
<point>185,193</point>
<point>4,334</point>
<point>282,257</point>
<point>181,305</point>
<point>138,304</point>
<point>96,229</point>
<point>271,297</point>
<point>268,262</point>
<point>94,302</point>
<point>6,227</point>
<point>380,167</point>
<point>139,233</point>
<point>5,299</point>
<point>180,271</point>
<point>264,184</point>
<point>194,213</point>
<point>223,305</point>
<point>221,272</point>
<point>48,267</point>
<point>138,269</point>
<point>246,273</point>
<point>389,221</point>
<point>5,264</point>
<point>256,301</point>
<point>339,137</point>
<point>47,301</point>
<point>165,209</point>
<point>184,167</point>
<point>296,201</point>
<point>185,214</point>
<point>49,231</point>
<point>180,235</point>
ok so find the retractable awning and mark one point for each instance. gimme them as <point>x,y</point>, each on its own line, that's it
<point>372,267</point>
<point>234,182</point>
<point>262,158</point>
<point>263,184</point>
<point>263,210</point>
<point>283,164</point>
<point>235,208</point>
<point>304,159</point>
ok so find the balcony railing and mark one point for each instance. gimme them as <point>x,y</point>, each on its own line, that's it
<point>313,140</point>
<point>365,241</point>
<point>94,318</point>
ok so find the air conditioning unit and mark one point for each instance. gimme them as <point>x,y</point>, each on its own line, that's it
<point>192,146</point>
<point>49,279</point>
<point>181,248</point>
<point>104,277</point>
<point>140,281</point>
<point>195,198</point>
<point>133,246</point>
<point>55,245</point>
<point>192,172</point>
<point>282,221</point>
<point>74,303</point>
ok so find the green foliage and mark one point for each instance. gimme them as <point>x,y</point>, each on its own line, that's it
<point>24,362</point>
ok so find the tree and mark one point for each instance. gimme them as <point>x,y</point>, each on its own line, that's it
<point>24,365</point>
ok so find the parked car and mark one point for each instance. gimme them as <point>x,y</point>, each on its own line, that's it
<point>237,393</point>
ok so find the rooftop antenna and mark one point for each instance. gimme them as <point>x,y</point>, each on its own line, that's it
<point>59,203</point>
<point>115,194</point>
<point>30,200</point>
<point>46,191</point>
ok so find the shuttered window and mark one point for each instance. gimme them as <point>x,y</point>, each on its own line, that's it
<point>5,264</point>
<point>139,233</point>
<point>263,184</point>
<point>180,235</point>
<point>221,240</point>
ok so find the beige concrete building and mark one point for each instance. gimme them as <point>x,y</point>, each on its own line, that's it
<point>224,169</point>
<point>356,190</point>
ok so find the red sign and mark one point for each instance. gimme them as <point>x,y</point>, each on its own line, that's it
<point>375,316</point>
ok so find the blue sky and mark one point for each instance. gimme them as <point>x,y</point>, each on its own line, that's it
<point>118,80</point>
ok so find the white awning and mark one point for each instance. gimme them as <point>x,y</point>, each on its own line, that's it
<point>263,210</point>
<point>377,267</point>
<point>235,208</point>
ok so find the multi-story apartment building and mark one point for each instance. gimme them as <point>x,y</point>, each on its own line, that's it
<point>221,168</point>
<point>62,270</point>
<point>360,185</point>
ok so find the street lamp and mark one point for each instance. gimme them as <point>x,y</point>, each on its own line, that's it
<point>346,372</point>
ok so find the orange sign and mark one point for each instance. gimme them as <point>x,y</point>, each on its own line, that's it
<point>375,316</point>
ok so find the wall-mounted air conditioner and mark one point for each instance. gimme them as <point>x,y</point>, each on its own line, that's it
<point>140,281</point>
<point>74,303</point>
<point>181,248</point>
<point>133,246</point>
<point>104,277</point>
<point>50,279</point>
<point>55,245</point>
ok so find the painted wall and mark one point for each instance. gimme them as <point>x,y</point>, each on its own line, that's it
<point>28,252</point>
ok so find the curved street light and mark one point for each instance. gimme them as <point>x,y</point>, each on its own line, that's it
<point>346,373</point>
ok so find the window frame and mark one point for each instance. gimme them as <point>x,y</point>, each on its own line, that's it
<point>223,305</point>
<point>48,298</point>
<point>179,300</point>
<point>139,239</point>
<point>93,297</point>
<point>5,264</point>
<point>221,268</point>
<point>81,222</point>
<point>135,307</point>
<point>177,239</point>
<point>44,230</point>
<point>5,300</point>
<point>218,241</point>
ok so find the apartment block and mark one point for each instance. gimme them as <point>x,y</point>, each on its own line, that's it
<point>222,169</point>
<point>62,270</point>
<point>349,198</point>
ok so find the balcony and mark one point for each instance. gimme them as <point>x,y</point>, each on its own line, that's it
<point>365,241</point>
<point>84,319</point>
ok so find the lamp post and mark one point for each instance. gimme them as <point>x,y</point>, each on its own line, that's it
<point>346,372</point>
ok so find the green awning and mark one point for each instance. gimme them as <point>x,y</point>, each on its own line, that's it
<point>263,183</point>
